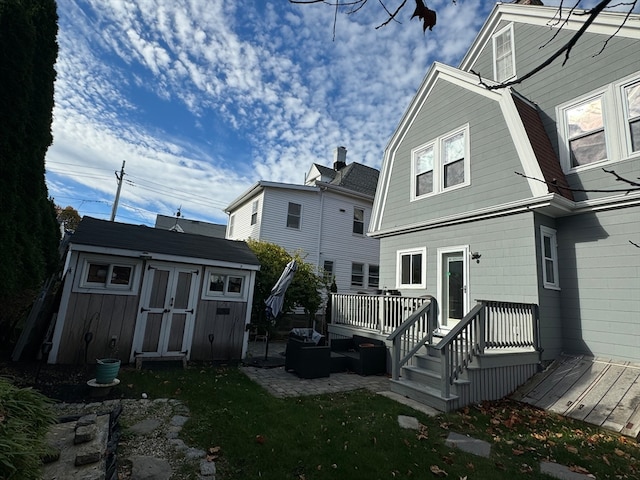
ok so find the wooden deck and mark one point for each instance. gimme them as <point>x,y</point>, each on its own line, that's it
<point>597,391</point>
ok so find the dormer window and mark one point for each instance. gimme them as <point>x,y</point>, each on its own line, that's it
<point>504,63</point>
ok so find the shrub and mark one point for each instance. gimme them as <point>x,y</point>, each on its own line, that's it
<point>25,416</point>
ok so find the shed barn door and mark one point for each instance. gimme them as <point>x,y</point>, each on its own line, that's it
<point>167,309</point>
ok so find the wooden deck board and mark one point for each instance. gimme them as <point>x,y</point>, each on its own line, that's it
<point>597,391</point>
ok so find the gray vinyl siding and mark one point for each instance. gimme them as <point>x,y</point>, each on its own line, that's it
<point>493,158</point>
<point>550,300</point>
<point>557,84</point>
<point>600,282</point>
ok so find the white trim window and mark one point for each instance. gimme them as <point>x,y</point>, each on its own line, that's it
<point>357,275</point>
<point>374,276</point>
<point>232,219</point>
<point>504,59</point>
<point>254,211</point>
<point>549,257</point>
<point>294,215</point>
<point>602,126</point>
<point>411,268</point>
<point>585,132</point>
<point>232,285</point>
<point>631,98</point>
<point>327,271</point>
<point>441,165</point>
<point>358,221</point>
<point>107,275</point>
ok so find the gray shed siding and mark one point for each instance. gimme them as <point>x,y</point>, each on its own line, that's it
<point>600,282</point>
<point>550,88</point>
<point>493,158</point>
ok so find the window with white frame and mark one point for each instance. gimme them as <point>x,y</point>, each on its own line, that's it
<point>411,268</point>
<point>602,126</point>
<point>294,213</point>
<point>442,164</point>
<point>104,274</point>
<point>374,276</point>
<point>358,221</point>
<point>327,269</point>
<point>254,212</point>
<point>549,249</point>
<point>585,132</point>
<point>631,97</point>
<point>230,228</point>
<point>357,275</point>
<point>229,284</point>
<point>504,63</point>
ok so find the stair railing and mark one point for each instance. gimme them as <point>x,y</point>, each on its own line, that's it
<point>490,325</point>
<point>412,334</point>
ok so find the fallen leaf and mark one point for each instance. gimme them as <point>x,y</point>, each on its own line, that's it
<point>260,439</point>
<point>605,459</point>
<point>438,471</point>
<point>517,452</point>
<point>618,452</point>
<point>572,449</point>
<point>577,469</point>
<point>333,465</point>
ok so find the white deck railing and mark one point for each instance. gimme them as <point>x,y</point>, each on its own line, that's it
<point>378,313</point>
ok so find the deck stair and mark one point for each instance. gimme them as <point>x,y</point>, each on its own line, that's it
<point>485,357</point>
<point>489,353</point>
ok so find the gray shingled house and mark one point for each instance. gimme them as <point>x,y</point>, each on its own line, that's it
<point>134,292</point>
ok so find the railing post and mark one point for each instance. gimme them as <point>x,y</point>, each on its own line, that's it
<point>395,360</point>
<point>482,323</point>
<point>445,372</point>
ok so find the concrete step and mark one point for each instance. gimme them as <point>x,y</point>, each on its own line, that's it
<point>421,393</point>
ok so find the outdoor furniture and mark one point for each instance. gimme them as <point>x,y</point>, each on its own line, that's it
<point>362,355</point>
<point>307,359</point>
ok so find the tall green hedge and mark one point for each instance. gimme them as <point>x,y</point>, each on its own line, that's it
<point>29,234</point>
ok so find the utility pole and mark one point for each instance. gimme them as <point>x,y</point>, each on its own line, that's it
<point>115,203</point>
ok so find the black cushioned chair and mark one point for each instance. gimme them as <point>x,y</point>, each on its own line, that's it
<point>364,356</point>
<point>307,359</point>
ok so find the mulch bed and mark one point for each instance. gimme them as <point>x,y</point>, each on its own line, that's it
<point>61,383</point>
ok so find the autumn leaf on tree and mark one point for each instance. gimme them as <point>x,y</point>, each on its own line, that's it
<point>427,16</point>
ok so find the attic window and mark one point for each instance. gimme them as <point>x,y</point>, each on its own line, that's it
<point>504,64</point>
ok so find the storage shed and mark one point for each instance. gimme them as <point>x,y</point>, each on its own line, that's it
<point>134,292</point>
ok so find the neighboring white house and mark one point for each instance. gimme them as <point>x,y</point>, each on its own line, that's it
<point>327,219</point>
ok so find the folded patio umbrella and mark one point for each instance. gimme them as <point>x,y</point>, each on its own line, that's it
<point>276,299</point>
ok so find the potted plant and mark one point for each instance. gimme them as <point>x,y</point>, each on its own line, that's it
<point>107,368</point>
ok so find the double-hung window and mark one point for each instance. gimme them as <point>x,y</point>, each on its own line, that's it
<point>411,268</point>
<point>504,65</point>
<point>293,215</point>
<point>585,132</point>
<point>441,164</point>
<point>327,269</point>
<point>374,276</point>
<point>358,221</point>
<point>549,249</point>
<point>254,211</point>
<point>631,97</point>
<point>232,219</point>
<point>357,275</point>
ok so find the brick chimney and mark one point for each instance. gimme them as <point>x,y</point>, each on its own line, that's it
<point>339,158</point>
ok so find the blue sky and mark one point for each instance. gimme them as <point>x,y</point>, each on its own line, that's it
<point>204,98</point>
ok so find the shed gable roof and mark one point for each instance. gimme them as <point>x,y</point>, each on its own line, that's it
<point>115,235</point>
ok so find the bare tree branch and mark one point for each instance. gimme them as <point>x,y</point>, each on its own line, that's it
<point>634,186</point>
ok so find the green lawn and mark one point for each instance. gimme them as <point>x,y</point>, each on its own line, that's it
<point>356,435</point>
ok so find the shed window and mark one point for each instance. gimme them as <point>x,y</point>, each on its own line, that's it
<point>229,284</point>
<point>104,275</point>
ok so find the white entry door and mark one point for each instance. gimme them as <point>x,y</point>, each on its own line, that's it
<point>453,285</point>
<point>167,310</point>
